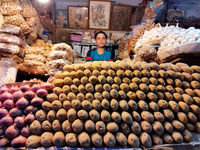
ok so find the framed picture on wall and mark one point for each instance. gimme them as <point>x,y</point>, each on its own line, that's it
<point>99,14</point>
<point>77,17</point>
<point>61,19</point>
<point>120,18</point>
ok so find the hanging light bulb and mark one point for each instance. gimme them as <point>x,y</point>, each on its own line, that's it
<point>43,1</point>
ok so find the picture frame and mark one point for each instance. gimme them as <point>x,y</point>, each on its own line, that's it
<point>99,15</point>
<point>120,17</point>
<point>77,17</point>
<point>61,18</point>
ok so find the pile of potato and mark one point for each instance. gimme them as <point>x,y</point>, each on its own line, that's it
<point>18,104</point>
<point>116,103</point>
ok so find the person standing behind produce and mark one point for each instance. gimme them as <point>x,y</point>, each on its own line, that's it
<point>101,53</point>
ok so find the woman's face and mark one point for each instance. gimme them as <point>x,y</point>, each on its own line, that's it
<point>101,40</point>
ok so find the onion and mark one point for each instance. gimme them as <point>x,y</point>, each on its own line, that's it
<point>30,109</point>
<point>25,88</point>
<point>25,131</point>
<point>2,131</point>
<point>15,112</point>
<point>47,86</point>
<point>12,132</point>
<point>36,101</point>
<point>22,103</point>
<point>19,141</point>
<point>4,142</point>
<point>41,93</point>
<point>17,95</point>
<point>8,104</point>
<point>35,87</point>
<point>3,89</point>
<point>3,112</point>
<point>13,89</point>
<point>6,121</point>
<point>29,118</point>
<point>19,121</point>
<point>1,105</point>
<point>6,95</point>
<point>29,94</point>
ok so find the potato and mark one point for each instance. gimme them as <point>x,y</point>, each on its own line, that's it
<point>126,117</point>
<point>59,82</point>
<point>71,96</point>
<point>47,139</point>
<point>97,140</point>
<point>123,105</point>
<point>59,139</point>
<point>76,81</point>
<point>120,73</point>
<point>184,107</point>
<point>187,136</point>
<point>143,105</point>
<point>46,125</point>
<point>51,97</point>
<point>145,139</point>
<point>192,117</point>
<point>129,74</point>
<point>61,114</point>
<point>168,96</point>
<point>157,140</point>
<point>145,80</point>
<point>190,92</point>
<point>89,126</point>
<point>171,74</point>
<point>160,95</point>
<point>158,128</point>
<point>133,141</point>
<point>153,88</point>
<point>165,66</point>
<point>111,73</point>
<point>146,126</point>
<point>168,127</point>
<point>147,116</point>
<point>154,66</point>
<point>163,104</point>
<point>196,100</point>
<point>82,114</point>
<point>66,89</point>
<point>196,76</point>
<point>195,84</point>
<point>96,104</point>
<point>107,87</point>
<point>95,73</point>
<point>68,81</point>
<point>187,76</point>
<point>86,105</point>
<point>67,126</point>
<point>182,117</point>
<point>36,127</point>
<point>133,86</point>
<point>178,125</point>
<point>105,104</point>
<point>116,117</point>
<point>185,84</point>
<point>126,128</point>
<point>114,104</point>
<point>136,80</point>
<point>109,139</point>
<point>161,81</point>
<point>177,97</point>
<point>105,66</point>
<point>71,139</point>
<point>167,138</point>
<point>135,127</point>
<point>179,90</point>
<point>153,81</point>
<point>190,127</point>
<point>66,74</point>
<point>195,109</point>
<point>170,89</point>
<point>33,141</point>
<point>187,69</point>
<point>173,106</point>
<point>93,80</point>
<point>121,139</point>
<point>131,95</point>
<point>46,105</point>
<point>151,96</point>
<point>56,125</point>
<point>143,87</point>
<point>178,138</point>
<point>76,104</point>
<point>141,95</point>
<point>195,68</point>
<point>74,88</point>
<point>67,105</point>
<point>159,116</point>
<point>162,74</point>
<point>145,73</point>
<point>187,99</point>
<point>197,92</point>
<point>126,80</point>
<point>122,94</point>
<point>71,114</point>
<point>112,127</point>
<point>197,127</point>
<point>56,105</point>
<point>135,66</point>
<point>117,80</point>
<point>84,80</point>
<point>100,127</point>
<point>115,86</point>
<point>136,116</point>
<point>137,73</point>
<point>41,115</point>
<point>114,94</point>
<point>94,115</point>
<point>168,114</point>
<point>104,73</point>
<point>89,97</point>
<point>78,126</point>
<point>154,73</point>
<point>133,105</point>
<point>105,116</point>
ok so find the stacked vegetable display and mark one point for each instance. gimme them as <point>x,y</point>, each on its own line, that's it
<point>18,106</point>
<point>127,104</point>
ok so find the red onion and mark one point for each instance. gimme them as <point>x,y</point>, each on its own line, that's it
<point>29,94</point>
<point>6,95</point>
<point>41,93</point>
<point>25,88</point>
<point>6,121</point>
<point>13,89</point>
<point>30,109</point>
<point>12,132</point>
<point>17,95</point>
<point>47,86</point>
<point>29,118</point>
<point>19,141</point>
<point>2,131</point>
<point>1,105</point>
<point>36,101</point>
<point>3,112</point>
<point>22,103</point>
<point>25,131</point>
<point>4,142</point>
<point>35,87</point>
<point>15,112</point>
<point>3,89</point>
<point>19,121</point>
<point>8,104</point>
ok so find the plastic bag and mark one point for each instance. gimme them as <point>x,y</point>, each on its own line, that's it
<point>58,55</point>
<point>33,63</point>
<point>63,47</point>
<point>31,21</point>
<point>9,48</point>
<point>11,9</point>
<point>35,57</point>
<point>11,39</point>
<point>15,19</point>
<point>59,63</point>
<point>32,36</point>
<point>28,11</point>
<point>11,29</point>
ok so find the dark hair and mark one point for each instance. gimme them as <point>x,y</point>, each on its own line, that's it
<point>100,32</point>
